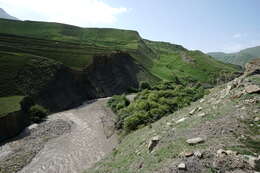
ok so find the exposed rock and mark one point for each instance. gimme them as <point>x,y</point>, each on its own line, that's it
<point>202,100</point>
<point>188,154</point>
<point>153,142</point>
<point>203,114</point>
<point>253,67</point>
<point>221,153</point>
<point>181,120</point>
<point>182,166</point>
<point>254,162</point>
<point>198,154</point>
<point>195,140</point>
<point>169,124</point>
<point>252,89</point>
<point>33,126</point>
<point>193,111</point>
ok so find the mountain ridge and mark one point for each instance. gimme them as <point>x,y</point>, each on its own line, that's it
<point>238,58</point>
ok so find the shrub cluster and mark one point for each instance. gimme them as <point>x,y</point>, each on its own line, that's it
<point>35,112</point>
<point>154,103</point>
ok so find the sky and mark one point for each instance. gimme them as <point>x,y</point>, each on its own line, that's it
<point>206,25</point>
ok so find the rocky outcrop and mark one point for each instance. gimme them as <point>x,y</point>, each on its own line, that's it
<point>58,87</point>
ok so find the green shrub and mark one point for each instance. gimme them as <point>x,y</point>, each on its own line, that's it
<point>118,102</point>
<point>144,85</point>
<point>26,103</point>
<point>150,105</point>
<point>37,114</point>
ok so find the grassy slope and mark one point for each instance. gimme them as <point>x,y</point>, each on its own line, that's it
<point>239,58</point>
<point>9,104</point>
<point>132,154</point>
<point>75,47</point>
<point>177,61</point>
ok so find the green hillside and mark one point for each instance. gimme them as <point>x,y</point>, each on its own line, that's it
<point>239,58</point>
<point>75,48</point>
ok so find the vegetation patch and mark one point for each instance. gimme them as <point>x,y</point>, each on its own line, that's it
<point>9,104</point>
<point>152,104</point>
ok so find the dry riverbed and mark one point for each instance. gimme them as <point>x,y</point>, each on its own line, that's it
<point>68,142</point>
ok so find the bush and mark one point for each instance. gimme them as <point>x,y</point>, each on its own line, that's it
<point>118,102</point>
<point>26,103</point>
<point>37,114</point>
<point>144,85</point>
<point>150,105</point>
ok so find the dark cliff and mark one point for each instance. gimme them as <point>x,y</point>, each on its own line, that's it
<point>58,87</point>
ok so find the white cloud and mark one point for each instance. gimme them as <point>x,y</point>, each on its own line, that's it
<point>239,35</point>
<point>77,12</point>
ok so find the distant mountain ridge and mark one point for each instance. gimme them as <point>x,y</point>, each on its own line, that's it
<point>5,15</point>
<point>239,58</point>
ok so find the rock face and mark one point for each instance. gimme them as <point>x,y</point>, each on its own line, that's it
<point>12,124</point>
<point>65,88</point>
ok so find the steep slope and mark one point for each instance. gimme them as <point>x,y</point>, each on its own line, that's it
<point>174,60</point>
<point>219,133</point>
<point>5,15</point>
<point>53,50</point>
<point>239,58</point>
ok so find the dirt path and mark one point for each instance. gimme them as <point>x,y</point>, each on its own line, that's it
<point>91,137</point>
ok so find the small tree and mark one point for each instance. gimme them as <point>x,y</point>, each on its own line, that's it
<point>144,85</point>
<point>37,113</point>
<point>26,103</point>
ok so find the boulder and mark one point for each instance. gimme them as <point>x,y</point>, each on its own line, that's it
<point>182,166</point>
<point>193,141</point>
<point>181,120</point>
<point>153,142</point>
<point>252,89</point>
<point>198,154</point>
<point>193,111</point>
<point>203,114</point>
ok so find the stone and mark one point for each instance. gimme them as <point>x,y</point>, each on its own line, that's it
<point>221,153</point>
<point>203,114</point>
<point>169,124</point>
<point>230,152</point>
<point>199,108</point>
<point>180,120</point>
<point>33,126</point>
<point>192,111</point>
<point>198,154</point>
<point>202,100</point>
<point>252,89</point>
<point>254,162</point>
<point>188,154</point>
<point>257,119</point>
<point>195,140</point>
<point>153,142</point>
<point>182,166</point>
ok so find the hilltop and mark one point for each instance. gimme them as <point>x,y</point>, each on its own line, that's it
<point>239,58</point>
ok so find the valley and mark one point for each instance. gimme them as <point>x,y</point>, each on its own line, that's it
<point>68,142</point>
<point>104,100</point>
